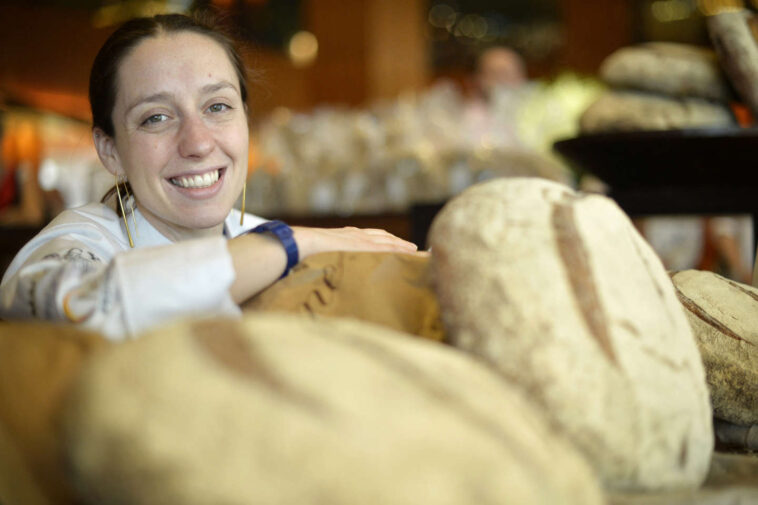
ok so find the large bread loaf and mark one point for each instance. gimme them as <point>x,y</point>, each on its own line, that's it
<point>38,365</point>
<point>278,409</point>
<point>678,70</point>
<point>389,289</point>
<point>724,318</point>
<point>560,293</point>
<point>620,111</point>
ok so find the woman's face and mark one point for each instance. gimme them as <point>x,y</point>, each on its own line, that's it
<point>181,134</point>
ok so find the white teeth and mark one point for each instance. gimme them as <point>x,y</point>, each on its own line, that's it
<point>196,181</point>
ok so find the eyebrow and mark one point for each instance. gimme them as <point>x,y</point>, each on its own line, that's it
<point>164,95</point>
<point>212,88</point>
<point>156,97</point>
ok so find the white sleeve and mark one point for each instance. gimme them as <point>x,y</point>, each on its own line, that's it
<point>66,280</point>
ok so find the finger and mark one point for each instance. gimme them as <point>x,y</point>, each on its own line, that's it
<point>387,237</point>
<point>378,236</point>
<point>397,244</point>
<point>376,231</point>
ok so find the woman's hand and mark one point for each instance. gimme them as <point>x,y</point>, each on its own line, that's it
<point>316,240</point>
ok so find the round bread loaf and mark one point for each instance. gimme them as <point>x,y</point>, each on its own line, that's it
<point>277,409</point>
<point>560,293</point>
<point>732,35</point>
<point>678,70</point>
<point>724,317</point>
<point>489,163</point>
<point>618,111</point>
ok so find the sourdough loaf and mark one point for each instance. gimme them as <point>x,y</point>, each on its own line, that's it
<point>38,364</point>
<point>724,317</point>
<point>617,111</point>
<point>336,284</point>
<point>281,409</point>
<point>678,70</point>
<point>560,293</point>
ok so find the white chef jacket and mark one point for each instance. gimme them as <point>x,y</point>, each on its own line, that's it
<point>80,268</point>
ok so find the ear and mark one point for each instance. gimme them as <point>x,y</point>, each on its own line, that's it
<point>106,151</point>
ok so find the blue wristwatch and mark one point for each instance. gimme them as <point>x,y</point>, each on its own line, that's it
<point>285,235</point>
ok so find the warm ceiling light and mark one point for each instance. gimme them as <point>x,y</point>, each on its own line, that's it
<point>303,49</point>
<point>671,10</point>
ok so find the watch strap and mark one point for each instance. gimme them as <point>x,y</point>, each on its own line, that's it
<point>286,236</point>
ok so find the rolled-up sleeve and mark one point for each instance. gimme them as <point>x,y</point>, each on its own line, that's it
<point>121,294</point>
<point>158,284</point>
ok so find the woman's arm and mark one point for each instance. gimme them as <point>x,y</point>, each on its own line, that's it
<point>259,260</point>
<point>79,279</point>
<point>77,274</point>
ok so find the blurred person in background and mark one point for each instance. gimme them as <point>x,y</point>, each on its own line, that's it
<point>490,114</point>
<point>728,247</point>
<point>717,244</point>
<point>496,67</point>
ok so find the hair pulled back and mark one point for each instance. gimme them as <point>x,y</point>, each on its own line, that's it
<point>102,82</point>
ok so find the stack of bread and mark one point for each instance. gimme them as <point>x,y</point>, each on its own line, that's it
<point>662,86</point>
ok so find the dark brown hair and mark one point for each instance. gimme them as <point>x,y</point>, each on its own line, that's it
<point>104,73</point>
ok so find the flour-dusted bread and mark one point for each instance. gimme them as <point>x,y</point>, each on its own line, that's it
<point>724,317</point>
<point>561,294</point>
<point>385,288</point>
<point>278,409</point>
<point>38,364</point>
<point>678,70</point>
<point>732,34</point>
<point>620,111</point>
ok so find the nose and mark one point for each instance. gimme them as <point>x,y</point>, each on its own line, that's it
<point>196,139</point>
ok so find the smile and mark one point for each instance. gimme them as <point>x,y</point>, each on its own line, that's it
<point>196,181</point>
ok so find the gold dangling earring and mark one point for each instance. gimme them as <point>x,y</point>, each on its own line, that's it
<point>131,209</point>
<point>123,214</point>
<point>242,215</point>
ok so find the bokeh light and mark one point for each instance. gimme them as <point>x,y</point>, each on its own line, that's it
<point>303,49</point>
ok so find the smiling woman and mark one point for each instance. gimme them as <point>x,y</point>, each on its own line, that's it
<point>179,133</point>
<point>168,97</point>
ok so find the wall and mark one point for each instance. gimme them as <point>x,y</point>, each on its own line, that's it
<point>369,49</point>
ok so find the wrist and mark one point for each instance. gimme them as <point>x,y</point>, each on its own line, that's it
<point>304,239</point>
<point>286,237</point>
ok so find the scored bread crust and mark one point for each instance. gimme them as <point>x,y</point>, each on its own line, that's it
<point>722,314</point>
<point>559,293</point>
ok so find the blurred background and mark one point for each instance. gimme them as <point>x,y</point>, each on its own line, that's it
<point>361,110</point>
